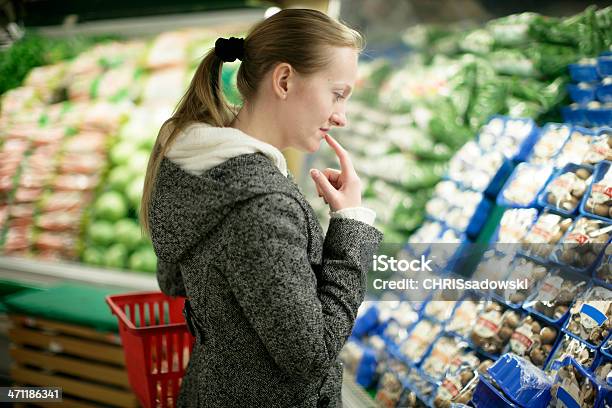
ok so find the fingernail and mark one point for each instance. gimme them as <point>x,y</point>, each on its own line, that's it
<point>314,173</point>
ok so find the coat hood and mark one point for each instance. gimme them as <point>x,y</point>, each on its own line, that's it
<point>186,207</point>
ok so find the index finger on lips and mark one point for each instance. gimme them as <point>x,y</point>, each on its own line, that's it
<point>345,160</point>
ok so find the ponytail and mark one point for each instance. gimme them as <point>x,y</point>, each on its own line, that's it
<point>203,101</point>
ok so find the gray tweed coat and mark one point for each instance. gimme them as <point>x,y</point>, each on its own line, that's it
<point>275,300</point>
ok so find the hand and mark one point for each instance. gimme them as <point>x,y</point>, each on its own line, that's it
<point>339,188</point>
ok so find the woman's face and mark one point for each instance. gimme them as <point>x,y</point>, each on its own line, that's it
<point>317,103</point>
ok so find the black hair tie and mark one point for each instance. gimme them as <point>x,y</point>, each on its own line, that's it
<point>230,49</point>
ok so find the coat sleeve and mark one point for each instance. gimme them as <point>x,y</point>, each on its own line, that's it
<point>170,279</point>
<point>302,321</point>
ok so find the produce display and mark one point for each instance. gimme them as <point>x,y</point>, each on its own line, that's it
<point>75,138</point>
<point>534,193</point>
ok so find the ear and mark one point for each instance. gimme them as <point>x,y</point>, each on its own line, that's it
<point>282,75</point>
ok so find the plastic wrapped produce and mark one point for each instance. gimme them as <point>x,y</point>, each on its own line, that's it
<point>599,201</point>
<point>547,231</point>
<point>583,243</point>
<point>574,386</point>
<point>575,149</point>
<point>494,327</point>
<point>515,224</point>
<point>525,184</point>
<point>555,294</point>
<point>533,340</point>
<point>550,143</point>
<point>419,339</point>
<point>569,346</point>
<point>591,315</point>
<point>566,190</point>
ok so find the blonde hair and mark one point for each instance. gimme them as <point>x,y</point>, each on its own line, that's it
<point>298,37</point>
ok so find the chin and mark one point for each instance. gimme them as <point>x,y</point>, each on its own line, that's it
<point>314,146</point>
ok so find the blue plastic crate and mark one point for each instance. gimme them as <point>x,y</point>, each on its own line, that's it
<point>486,395</point>
<point>604,93</point>
<point>553,365</point>
<point>582,93</point>
<point>583,72</point>
<point>574,114</point>
<point>521,381</point>
<point>604,64</point>
<point>600,171</point>
<point>543,196</point>
<point>598,117</point>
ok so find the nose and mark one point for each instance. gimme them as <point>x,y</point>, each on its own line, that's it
<point>339,119</point>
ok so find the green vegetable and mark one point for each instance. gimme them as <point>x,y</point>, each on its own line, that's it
<point>93,256</point>
<point>116,256</point>
<point>111,206</point>
<point>143,260</point>
<point>119,178</point>
<point>102,233</point>
<point>122,153</point>
<point>134,192</point>
<point>127,232</point>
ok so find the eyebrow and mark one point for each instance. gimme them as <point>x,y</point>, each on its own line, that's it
<point>347,88</point>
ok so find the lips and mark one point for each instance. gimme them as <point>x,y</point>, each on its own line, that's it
<point>324,130</point>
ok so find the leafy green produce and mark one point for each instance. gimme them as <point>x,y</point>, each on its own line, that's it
<point>134,192</point>
<point>127,232</point>
<point>116,256</point>
<point>111,206</point>
<point>102,232</point>
<point>144,260</point>
<point>119,178</point>
<point>93,256</point>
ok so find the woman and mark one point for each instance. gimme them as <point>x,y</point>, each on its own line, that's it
<point>270,300</point>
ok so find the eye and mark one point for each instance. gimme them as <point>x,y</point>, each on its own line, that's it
<point>339,96</point>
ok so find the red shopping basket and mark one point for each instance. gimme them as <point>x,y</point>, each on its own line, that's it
<point>156,344</point>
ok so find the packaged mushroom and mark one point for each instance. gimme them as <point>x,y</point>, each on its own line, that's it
<point>440,306</point>
<point>509,141</point>
<point>464,316</point>
<point>459,383</point>
<point>601,148</point>
<point>452,204</point>
<point>390,387</point>
<point>573,387</point>
<point>493,266</point>
<point>552,139</point>
<point>533,340</point>
<point>604,270</point>
<point>569,346</point>
<point>419,339</point>
<point>473,168</point>
<point>591,315</point>
<point>546,232</point>
<point>494,327</point>
<point>525,184</point>
<point>584,242</point>
<point>555,295</point>
<point>442,353</point>
<point>566,190</point>
<point>600,200</point>
<point>604,372</point>
<point>576,148</point>
<point>515,224</point>
<point>528,273</point>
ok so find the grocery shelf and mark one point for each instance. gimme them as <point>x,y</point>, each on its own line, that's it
<point>48,273</point>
